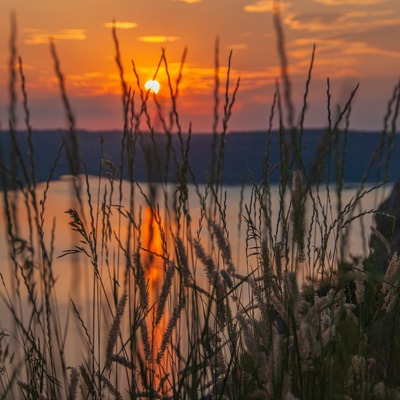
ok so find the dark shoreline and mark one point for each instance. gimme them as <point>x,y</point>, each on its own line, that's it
<point>244,152</point>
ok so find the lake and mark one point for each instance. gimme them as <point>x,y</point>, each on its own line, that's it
<point>148,223</point>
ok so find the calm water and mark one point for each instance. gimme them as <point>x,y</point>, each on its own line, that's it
<point>74,273</point>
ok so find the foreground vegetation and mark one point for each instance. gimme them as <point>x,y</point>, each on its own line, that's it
<point>168,312</point>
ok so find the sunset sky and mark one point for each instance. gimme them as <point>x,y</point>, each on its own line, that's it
<point>356,41</point>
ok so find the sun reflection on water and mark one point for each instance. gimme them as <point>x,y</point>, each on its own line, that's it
<point>154,265</point>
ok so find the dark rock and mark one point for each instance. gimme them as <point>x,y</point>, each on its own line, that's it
<point>385,238</point>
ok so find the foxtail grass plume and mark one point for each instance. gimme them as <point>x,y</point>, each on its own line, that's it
<point>111,388</point>
<point>360,279</point>
<point>73,383</point>
<point>114,330</point>
<point>166,288</point>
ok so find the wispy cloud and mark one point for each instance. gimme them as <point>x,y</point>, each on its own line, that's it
<point>317,22</point>
<point>158,39</point>
<point>93,84</point>
<point>301,47</point>
<point>363,48</point>
<point>336,22</point>
<point>37,36</point>
<point>78,85</point>
<point>188,1</point>
<point>264,6</point>
<point>238,46</point>
<point>356,2</point>
<point>121,25</point>
<point>349,56</point>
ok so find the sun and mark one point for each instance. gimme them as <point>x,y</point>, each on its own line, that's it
<point>153,86</point>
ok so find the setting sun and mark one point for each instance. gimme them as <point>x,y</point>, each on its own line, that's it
<point>153,86</point>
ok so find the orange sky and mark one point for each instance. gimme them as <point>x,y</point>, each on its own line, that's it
<point>357,41</point>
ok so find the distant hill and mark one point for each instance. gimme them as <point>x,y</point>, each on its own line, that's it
<point>243,152</point>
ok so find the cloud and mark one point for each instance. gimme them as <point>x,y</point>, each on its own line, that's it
<point>158,39</point>
<point>38,37</point>
<point>264,6</point>
<point>363,48</point>
<point>188,1</point>
<point>338,46</point>
<point>238,46</point>
<point>121,25</point>
<point>315,22</point>
<point>338,57</point>
<point>346,2</point>
<point>93,84</point>
<point>336,22</point>
<point>246,35</point>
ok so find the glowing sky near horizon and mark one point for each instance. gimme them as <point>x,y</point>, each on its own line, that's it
<point>356,41</point>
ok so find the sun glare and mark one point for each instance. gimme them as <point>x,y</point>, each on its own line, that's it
<point>153,86</point>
